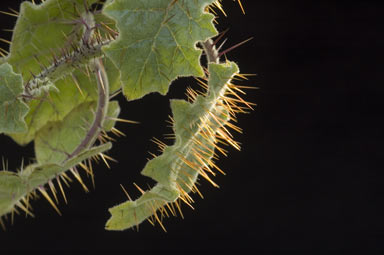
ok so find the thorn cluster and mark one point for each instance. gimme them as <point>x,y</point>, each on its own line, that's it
<point>75,56</point>
<point>204,148</point>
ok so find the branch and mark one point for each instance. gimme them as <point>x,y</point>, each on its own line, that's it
<point>102,88</point>
<point>90,47</point>
<point>101,109</point>
<point>211,52</point>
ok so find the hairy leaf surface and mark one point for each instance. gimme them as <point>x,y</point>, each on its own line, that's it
<point>12,109</point>
<point>56,140</point>
<point>32,50</point>
<point>157,42</point>
<point>42,30</point>
<point>177,169</point>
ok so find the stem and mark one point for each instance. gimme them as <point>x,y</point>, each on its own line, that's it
<point>101,109</point>
<point>102,88</point>
<point>61,67</point>
<point>211,52</point>
<point>89,47</point>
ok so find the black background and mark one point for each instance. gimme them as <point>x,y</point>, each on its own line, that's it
<point>309,177</point>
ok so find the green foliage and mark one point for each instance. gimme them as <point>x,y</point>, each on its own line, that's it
<point>66,61</point>
<point>177,169</point>
<point>12,109</point>
<point>56,140</point>
<point>32,50</point>
<point>157,42</point>
<point>17,188</point>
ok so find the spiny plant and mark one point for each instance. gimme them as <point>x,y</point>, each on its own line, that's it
<point>68,59</point>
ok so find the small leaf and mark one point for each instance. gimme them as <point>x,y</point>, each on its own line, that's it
<point>132,213</point>
<point>12,109</point>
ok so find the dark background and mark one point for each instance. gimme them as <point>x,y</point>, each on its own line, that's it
<point>310,175</point>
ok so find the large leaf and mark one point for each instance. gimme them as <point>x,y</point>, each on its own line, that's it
<point>40,31</point>
<point>43,29</point>
<point>58,104</point>
<point>157,42</point>
<point>12,109</point>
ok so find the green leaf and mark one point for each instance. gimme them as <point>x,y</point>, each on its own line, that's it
<point>60,117</point>
<point>112,114</point>
<point>12,109</point>
<point>157,42</point>
<point>177,169</point>
<point>15,186</point>
<point>56,140</point>
<point>187,124</point>
<point>55,105</point>
<point>41,31</point>
<point>132,213</point>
